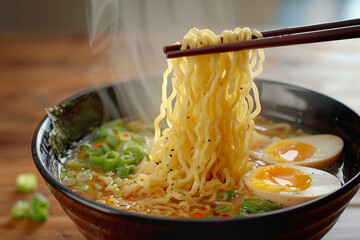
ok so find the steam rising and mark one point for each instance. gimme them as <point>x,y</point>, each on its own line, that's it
<point>134,33</point>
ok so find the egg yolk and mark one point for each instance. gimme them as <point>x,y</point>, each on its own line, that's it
<point>290,151</point>
<point>278,178</point>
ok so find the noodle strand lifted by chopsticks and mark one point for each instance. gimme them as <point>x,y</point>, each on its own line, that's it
<point>209,115</point>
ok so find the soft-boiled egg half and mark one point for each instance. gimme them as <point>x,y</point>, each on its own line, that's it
<point>317,151</point>
<point>289,185</point>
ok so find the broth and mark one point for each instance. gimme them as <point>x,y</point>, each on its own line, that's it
<point>102,185</point>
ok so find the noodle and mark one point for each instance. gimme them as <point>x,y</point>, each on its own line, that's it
<point>209,113</point>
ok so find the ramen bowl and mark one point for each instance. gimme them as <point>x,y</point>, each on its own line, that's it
<point>282,102</point>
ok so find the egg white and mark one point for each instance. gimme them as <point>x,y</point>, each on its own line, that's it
<point>328,150</point>
<point>322,183</point>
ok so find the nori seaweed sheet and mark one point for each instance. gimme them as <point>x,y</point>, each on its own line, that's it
<point>73,120</point>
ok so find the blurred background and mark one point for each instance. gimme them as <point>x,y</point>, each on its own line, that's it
<point>70,17</point>
<point>125,38</point>
<point>50,50</point>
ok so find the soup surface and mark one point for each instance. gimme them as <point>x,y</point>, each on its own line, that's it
<point>109,156</point>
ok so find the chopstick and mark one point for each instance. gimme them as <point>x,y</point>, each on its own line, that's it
<point>280,37</point>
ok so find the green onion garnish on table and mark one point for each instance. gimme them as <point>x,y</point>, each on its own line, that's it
<point>39,201</point>
<point>20,209</point>
<point>36,210</point>
<point>26,182</point>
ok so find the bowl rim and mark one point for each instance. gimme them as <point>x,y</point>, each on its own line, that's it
<point>307,206</point>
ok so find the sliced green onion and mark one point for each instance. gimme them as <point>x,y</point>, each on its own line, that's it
<point>112,141</point>
<point>124,171</point>
<point>97,160</point>
<point>222,196</point>
<point>82,187</point>
<point>84,176</point>
<point>136,151</point>
<point>36,209</point>
<point>77,164</point>
<point>69,181</point>
<point>271,206</point>
<point>20,209</point>
<point>127,160</point>
<point>104,131</point>
<point>232,194</point>
<point>226,196</point>
<point>138,138</point>
<point>26,182</point>
<point>111,160</point>
<point>106,147</point>
<point>94,151</point>
<point>39,201</point>
<point>222,208</point>
<point>253,204</point>
<point>125,136</point>
<point>133,150</point>
<point>39,215</point>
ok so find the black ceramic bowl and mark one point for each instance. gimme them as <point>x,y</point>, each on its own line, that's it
<point>289,103</point>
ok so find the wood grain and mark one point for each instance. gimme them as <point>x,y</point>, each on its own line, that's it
<point>38,72</point>
<point>35,73</point>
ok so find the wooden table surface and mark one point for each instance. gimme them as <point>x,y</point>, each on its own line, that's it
<point>39,72</point>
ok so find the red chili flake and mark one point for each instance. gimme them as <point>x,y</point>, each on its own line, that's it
<point>197,215</point>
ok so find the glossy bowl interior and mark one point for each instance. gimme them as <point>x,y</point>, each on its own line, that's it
<point>280,101</point>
